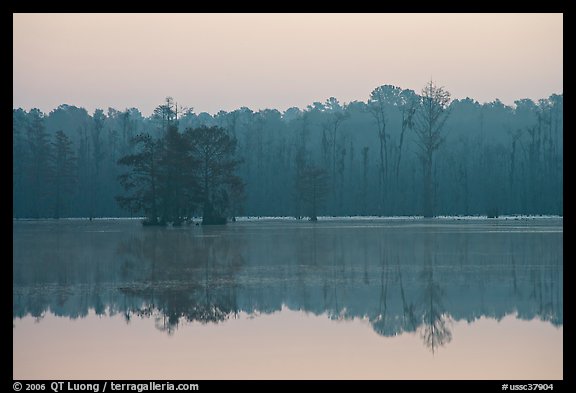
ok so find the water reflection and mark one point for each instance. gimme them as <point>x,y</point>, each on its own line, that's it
<point>400,276</point>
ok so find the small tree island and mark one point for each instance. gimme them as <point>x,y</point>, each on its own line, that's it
<point>177,175</point>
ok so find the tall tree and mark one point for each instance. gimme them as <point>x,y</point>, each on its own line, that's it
<point>38,166</point>
<point>364,177</point>
<point>19,160</point>
<point>337,116</point>
<point>64,171</point>
<point>380,97</point>
<point>300,155</point>
<point>98,154</point>
<point>165,115</point>
<point>177,184</point>
<point>430,120</point>
<point>313,187</point>
<point>142,179</point>
<point>408,102</point>
<point>214,150</point>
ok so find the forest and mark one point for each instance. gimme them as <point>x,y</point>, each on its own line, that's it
<point>400,153</point>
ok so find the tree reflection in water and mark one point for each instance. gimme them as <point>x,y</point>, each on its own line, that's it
<point>401,276</point>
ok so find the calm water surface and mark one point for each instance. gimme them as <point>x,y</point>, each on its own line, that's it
<point>380,299</point>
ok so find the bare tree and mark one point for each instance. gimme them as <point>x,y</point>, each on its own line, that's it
<point>408,103</point>
<point>430,119</point>
<point>376,106</point>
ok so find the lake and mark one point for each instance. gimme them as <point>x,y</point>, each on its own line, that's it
<point>289,299</point>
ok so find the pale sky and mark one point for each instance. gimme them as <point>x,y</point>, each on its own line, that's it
<point>282,345</point>
<point>225,61</point>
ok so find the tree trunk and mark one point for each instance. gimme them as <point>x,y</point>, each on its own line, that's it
<point>428,187</point>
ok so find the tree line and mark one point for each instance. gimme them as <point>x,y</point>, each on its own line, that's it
<point>398,153</point>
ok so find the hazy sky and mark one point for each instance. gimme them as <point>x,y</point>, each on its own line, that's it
<point>282,345</point>
<point>224,61</point>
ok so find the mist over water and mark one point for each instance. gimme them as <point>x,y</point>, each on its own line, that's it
<point>425,279</point>
<point>288,196</point>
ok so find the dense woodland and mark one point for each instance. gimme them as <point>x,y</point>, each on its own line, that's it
<point>398,153</point>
